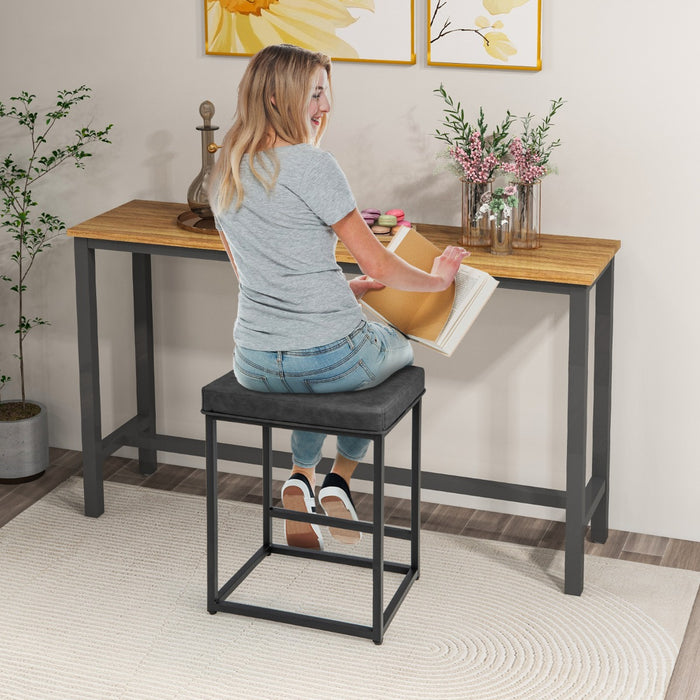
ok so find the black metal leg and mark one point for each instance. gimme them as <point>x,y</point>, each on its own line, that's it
<point>267,485</point>
<point>378,544</point>
<point>415,487</point>
<point>602,383</point>
<point>576,440</point>
<point>89,372</point>
<point>212,514</point>
<point>143,347</point>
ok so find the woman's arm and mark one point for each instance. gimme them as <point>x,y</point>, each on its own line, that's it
<point>228,251</point>
<point>388,268</point>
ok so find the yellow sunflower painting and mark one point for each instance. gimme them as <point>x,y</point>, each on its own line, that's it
<point>243,27</point>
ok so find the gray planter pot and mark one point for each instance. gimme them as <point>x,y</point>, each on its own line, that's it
<point>24,446</point>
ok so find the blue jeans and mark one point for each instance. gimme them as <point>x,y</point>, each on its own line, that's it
<point>363,359</point>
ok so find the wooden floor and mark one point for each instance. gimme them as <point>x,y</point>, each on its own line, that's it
<point>659,551</point>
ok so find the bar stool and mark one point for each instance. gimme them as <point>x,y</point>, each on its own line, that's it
<point>370,413</point>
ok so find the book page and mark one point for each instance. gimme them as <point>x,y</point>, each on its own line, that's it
<point>474,288</point>
<point>466,287</point>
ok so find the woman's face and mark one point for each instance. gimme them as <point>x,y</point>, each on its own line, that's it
<point>320,100</point>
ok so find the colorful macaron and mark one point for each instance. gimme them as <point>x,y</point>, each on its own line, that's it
<point>387,220</point>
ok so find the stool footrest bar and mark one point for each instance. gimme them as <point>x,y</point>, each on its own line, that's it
<point>337,558</point>
<point>243,572</point>
<point>400,594</point>
<point>401,533</point>
<point>323,623</point>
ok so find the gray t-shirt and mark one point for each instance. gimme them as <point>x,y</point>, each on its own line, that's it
<point>292,293</point>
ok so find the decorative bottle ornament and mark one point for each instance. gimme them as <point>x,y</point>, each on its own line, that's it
<point>197,197</point>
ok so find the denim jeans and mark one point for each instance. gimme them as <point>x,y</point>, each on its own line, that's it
<point>363,359</point>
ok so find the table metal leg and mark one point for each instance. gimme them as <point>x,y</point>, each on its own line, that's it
<point>602,382</point>
<point>143,347</point>
<point>89,376</point>
<point>576,439</point>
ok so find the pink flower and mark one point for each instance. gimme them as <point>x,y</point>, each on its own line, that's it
<point>476,167</point>
<point>526,166</point>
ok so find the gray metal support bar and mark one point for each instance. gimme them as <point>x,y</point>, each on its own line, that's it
<point>212,514</point>
<point>415,485</point>
<point>576,439</point>
<point>378,543</point>
<point>602,398</point>
<point>267,485</point>
<point>89,373</point>
<point>143,349</point>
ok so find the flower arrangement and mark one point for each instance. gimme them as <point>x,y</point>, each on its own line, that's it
<point>477,156</point>
<point>498,204</point>
<point>530,152</point>
<point>474,153</point>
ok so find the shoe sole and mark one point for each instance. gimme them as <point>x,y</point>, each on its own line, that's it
<point>335,507</point>
<point>298,534</point>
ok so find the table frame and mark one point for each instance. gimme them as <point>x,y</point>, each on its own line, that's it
<point>583,501</point>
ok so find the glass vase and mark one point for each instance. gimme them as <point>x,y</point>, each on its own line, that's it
<point>527,215</point>
<point>476,231</point>
<point>502,238</point>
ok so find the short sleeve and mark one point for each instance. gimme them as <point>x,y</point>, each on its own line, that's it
<point>325,189</point>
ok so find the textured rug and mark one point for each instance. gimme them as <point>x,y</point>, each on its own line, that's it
<point>115,607</point>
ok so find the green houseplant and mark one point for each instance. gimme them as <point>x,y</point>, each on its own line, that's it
<point>30,230</point>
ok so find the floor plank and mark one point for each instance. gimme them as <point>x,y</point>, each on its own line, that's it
<point>682,554</point>
<point>449,519</point>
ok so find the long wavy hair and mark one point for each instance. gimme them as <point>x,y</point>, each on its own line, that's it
<point>273,100</point>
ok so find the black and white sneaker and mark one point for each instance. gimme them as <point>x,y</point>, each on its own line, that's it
<point>336,501</point>
<point>297,494</point>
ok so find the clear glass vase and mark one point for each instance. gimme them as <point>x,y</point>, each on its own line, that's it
<point>502,238</point>
<point>527,215</point>
<point>476,230</point>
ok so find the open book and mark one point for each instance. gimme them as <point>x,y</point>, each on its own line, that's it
<point>438,320</point>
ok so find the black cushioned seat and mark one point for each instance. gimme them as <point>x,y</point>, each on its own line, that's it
<point>367,411</point>
<point>371,413</point>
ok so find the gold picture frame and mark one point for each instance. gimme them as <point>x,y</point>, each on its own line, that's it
<point>503,34</point>
<point>376,31</point>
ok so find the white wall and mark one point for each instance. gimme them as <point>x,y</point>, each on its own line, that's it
<point>627,170</point>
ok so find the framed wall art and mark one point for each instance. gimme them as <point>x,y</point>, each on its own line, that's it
<point>347,30</point>
<point>485,33</point>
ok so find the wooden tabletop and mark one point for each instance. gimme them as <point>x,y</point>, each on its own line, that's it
<point>563,259</point>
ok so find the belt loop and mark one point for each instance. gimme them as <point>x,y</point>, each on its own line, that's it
<point>350,340</point>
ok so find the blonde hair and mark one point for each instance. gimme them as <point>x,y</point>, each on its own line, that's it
<point>273,101</point>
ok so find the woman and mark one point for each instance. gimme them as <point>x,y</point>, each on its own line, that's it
<point>281,204</point>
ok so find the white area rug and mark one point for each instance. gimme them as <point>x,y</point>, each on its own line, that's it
<point>115,607</point>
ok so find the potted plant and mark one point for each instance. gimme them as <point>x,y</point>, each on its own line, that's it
<point>29,231</point>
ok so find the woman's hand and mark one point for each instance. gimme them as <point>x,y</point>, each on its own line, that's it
<point>446,265</point>
<point>362,284</point>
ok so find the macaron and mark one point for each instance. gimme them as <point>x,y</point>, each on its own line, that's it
<point>398,213</point>
<point>387,220</point>
<point>381,229</point>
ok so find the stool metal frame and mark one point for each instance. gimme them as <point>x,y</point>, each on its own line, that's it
<point>217,598</point>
